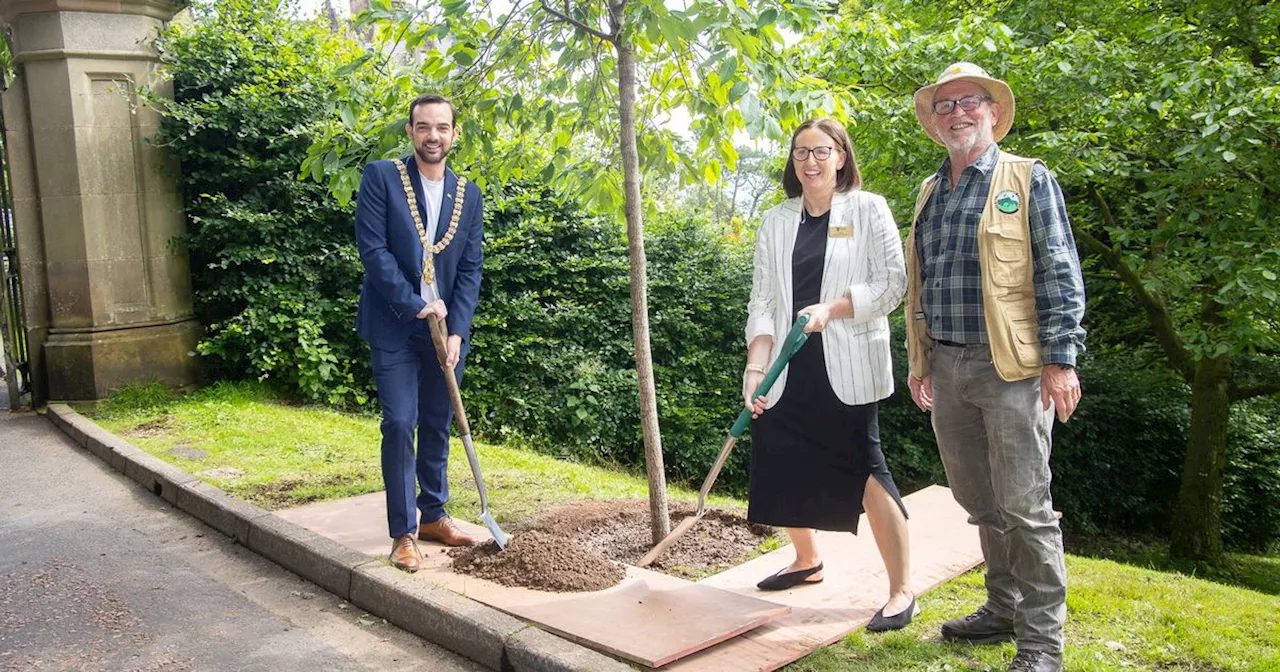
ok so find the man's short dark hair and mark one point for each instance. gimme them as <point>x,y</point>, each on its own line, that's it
<point>433,99</point>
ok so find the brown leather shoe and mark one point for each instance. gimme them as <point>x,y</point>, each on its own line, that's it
<point>405,554</point>
<point>446,532</point>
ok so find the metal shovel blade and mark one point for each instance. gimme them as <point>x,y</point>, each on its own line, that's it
<point>499,536</point>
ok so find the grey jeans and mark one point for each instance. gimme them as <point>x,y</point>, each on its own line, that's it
<point>994,439</point>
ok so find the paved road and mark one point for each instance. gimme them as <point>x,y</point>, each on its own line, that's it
<point>98,574</point>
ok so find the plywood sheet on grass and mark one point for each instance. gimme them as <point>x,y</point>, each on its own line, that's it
<point>650,618</point>
<point>943,546</point>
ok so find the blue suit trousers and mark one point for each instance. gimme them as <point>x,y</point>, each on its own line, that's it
<point>414,397</point>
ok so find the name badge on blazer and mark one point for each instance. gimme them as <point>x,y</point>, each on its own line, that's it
<point>840,232</point>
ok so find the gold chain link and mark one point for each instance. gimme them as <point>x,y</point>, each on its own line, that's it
<point>429,250</point>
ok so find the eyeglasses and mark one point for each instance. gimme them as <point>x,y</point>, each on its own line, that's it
<point>946,106</point>
<point>819,153</point>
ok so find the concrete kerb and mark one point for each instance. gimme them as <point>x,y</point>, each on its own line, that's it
<point>222,512</point>
<point>469,628</point>
<point>534,649</point>
<point>446,618</point>
<point>318,559</point>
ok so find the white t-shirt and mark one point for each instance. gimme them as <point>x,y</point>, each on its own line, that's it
<point>431,195</point>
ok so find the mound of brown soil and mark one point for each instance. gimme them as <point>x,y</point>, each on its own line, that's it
<point>538,560</point>
<point>576,547</point>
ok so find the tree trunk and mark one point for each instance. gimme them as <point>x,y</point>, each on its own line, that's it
<point>1197,529</point>
<point>661,522</point>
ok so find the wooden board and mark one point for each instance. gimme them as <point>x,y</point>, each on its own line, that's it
<point>650,618</point>
<point>943,546</point>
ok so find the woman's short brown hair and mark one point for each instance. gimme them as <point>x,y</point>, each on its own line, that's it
<point>847,178</point>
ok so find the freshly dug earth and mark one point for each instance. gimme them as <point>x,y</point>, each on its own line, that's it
<point>538,560</point>
<point>577,547</point>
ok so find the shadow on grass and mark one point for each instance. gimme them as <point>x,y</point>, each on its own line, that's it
<point>1260,573</point>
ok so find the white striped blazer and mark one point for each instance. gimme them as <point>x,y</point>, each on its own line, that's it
<point>867,266</point>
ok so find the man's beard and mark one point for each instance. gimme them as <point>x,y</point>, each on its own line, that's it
<point>421,151</point>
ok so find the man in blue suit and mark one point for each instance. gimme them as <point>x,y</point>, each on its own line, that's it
<point>419,230</point>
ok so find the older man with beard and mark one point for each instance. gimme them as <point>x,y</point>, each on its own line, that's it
<point>994,304</point>
<point>419,229</point>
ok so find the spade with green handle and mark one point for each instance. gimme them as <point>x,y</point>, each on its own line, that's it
<point>795,339</point>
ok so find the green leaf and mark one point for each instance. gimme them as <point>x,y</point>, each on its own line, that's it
<point>1228,156</point>
<point>728,69</point>
<point>1065,67</point>
<point>767,18</point>
<point>348,115</point>
<point>711,172</point>
<point>774,130</point>
<point>465,56</point>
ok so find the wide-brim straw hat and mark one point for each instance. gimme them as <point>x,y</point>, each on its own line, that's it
<point>999,90</point>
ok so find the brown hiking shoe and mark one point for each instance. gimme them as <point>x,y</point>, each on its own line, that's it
<point>405,554</point>
<point>446,532</point>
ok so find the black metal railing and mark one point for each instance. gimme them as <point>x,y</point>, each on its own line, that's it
<point>17,361</point>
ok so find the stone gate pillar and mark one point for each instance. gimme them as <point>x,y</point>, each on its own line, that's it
<point>96,204</point>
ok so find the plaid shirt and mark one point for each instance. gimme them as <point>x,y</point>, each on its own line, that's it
<point>947,247</point>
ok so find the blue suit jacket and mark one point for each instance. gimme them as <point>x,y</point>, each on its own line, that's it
<point>392,256</point>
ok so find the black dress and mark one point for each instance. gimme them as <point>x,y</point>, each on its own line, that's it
<point>811,453</point>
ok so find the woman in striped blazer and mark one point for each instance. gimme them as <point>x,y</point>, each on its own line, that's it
<point>831,252</point>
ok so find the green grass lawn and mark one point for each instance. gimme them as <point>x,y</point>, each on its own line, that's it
<point>1119,617</point>
<point>239,438</point>
<point>1131,615</point>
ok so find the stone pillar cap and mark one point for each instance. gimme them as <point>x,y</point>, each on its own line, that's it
<point>159,9</point>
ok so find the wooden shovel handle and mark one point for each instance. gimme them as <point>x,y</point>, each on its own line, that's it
<point>439,337</point>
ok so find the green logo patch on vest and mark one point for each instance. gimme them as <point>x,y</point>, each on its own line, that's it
<point>1008,202</point>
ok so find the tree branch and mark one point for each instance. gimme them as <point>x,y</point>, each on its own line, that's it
<point>1252,391</point>
<point>491,41</point>
<point>564,17</point>
<point>1157,312</point>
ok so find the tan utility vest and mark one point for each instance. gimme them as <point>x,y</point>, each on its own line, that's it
<point>1008,289</point>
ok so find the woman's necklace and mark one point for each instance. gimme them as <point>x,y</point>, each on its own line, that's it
<point>804,211</point>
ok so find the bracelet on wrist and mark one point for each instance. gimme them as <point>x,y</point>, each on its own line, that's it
<point>752,367</point>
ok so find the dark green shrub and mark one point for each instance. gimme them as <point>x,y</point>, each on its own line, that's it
<point>1251,492</point>
<point>553,359</point>
<point>276,274</point>
<point>1116,464</point>
<point>552,314</point>
<point>905,433</point>
<point>699,283</point>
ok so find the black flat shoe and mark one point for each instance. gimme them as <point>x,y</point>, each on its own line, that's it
<point>782,581</point>
<point>882,623</point>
